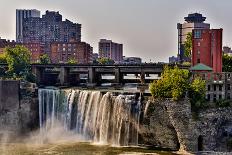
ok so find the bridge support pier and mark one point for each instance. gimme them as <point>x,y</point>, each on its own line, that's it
<point>142,77</point>
<point>118,76</point>
<point>91,77</point>
<point>63,76</point>
<point>38,74</point>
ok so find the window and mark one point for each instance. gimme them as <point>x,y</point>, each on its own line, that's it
<point>220,87</point>
<point>198,61</point>
<point>198,44</point>
<point>220,97</point>
<point>228,86</point>
<point>208,97</point>
<point>198,52</point>
<point>215,88</point>
<point>228,96</point>
<point>197,34</point>
<point>208,87</point>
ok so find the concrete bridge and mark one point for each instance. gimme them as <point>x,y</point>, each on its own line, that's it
<point>68,74</point>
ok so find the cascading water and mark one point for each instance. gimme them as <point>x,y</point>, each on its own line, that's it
<point>105,119</point>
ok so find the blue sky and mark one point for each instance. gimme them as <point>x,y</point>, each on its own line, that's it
<point>147,28</point>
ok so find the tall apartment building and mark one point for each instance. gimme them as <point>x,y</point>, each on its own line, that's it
<point>111,50</point>
<point>50,28</point>
<point>20,16</point>
<point>192,22</point>
<point>63,52</point>
<point>207,48</point>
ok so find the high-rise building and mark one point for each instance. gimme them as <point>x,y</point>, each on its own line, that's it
<point>111,50</point>
<point>192,22</point>
<point>62,52</point>
<point>207,48</point>
<point>20,16</point>
<point>50,28</point>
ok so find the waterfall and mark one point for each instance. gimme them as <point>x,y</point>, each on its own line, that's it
<point>101,118</point>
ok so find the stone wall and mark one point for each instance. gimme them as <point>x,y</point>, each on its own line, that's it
<point>9,95</point>
<point>170,124</point>
<point>18,113</point>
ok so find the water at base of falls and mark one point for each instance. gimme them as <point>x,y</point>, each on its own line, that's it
<point>100,118</point>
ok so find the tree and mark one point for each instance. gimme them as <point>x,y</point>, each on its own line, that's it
<point>18,60</point>
<point>197,93</point>
<point>72,61</point>
<point>44,59</point>
<point>3,58</point>
<point>105,61</point>
<point>173,84</point>
<point>227,63</point>
<point>188,45</point>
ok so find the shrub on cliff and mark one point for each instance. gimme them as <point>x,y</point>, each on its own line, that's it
<point>175,83</point>
<point>197,92</point>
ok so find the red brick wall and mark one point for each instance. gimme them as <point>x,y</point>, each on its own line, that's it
<point>208,49</point>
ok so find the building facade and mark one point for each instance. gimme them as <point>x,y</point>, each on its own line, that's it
<point>207,48</point>
<point>36,49</point>
<point>20,16</point>
<point>111,50</point>
<point>192,22</point>
<point>50,28</point>
<point>218,85</point>
<point>62,52</point>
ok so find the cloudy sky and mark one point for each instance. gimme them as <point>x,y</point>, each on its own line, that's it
<point>147,28</point>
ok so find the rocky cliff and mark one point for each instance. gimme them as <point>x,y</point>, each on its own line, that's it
<point>170,124</point>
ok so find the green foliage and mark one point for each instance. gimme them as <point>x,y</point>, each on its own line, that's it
<point>18,60</point>
<point>222,103</point>
<point>186,64</point>
<point>188,45</point>
<point>229,143</point>
<point>227,63</point>
<point>197,93</point>
<point>173,84</point>
<point>105,61</point>
<point>72,61</point>
<point>44,59</point>
<point>3,58</point>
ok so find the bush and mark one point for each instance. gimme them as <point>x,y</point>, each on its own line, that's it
<point>222,103</point>
<point>173,84</point>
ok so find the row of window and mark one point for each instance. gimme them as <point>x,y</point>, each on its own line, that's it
<point>219,87</point>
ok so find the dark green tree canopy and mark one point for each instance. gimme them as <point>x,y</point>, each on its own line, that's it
<point>175,83</point>
<point>72,61</point>
<point>227,63</point>
<point>105,61</point>
<point>44,59</point>
<point>18,59</point>
<point>188,45</point>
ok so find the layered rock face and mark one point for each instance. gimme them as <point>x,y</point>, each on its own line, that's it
<point>170,124</point>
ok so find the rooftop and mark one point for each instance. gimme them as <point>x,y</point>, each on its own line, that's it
<point>201,67</point>
<point>195,18</point>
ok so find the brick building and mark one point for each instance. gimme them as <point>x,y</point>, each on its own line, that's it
<point>50,28</point>
<point>193,21</point>
<point>36,49</point>
<point>207,48</point>
<point>63,52</point>
<point>111,50</point>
